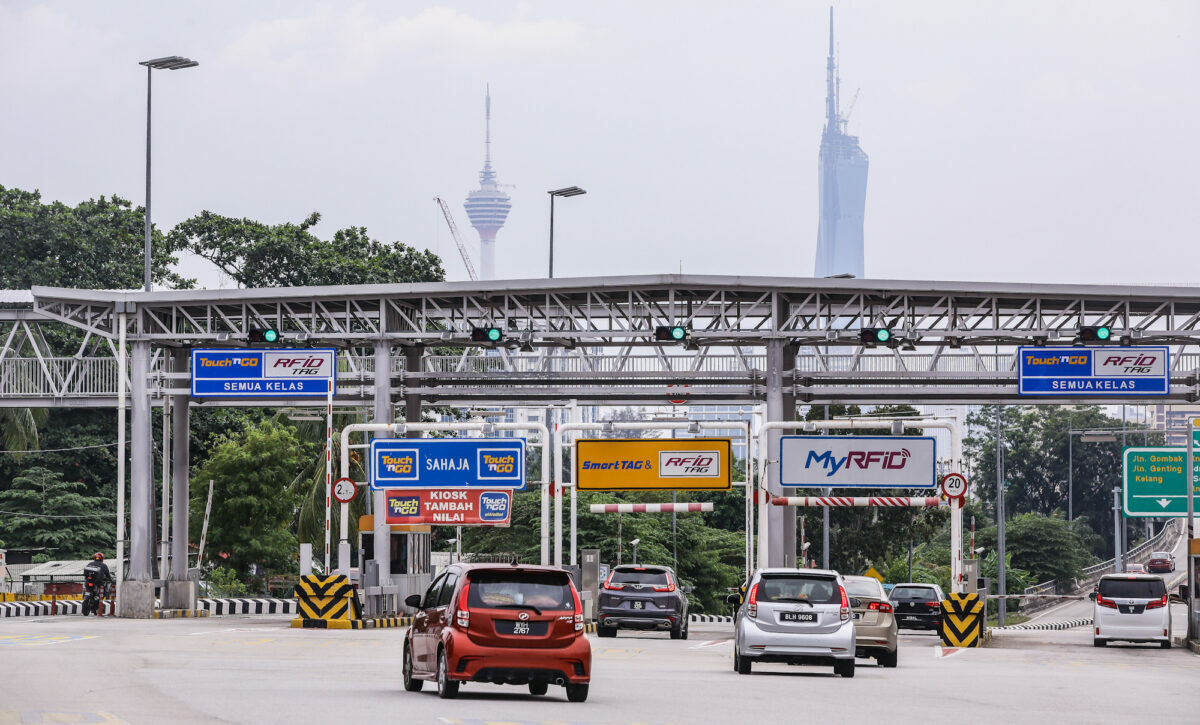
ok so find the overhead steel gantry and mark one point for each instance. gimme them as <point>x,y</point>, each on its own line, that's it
<point>778,341</point>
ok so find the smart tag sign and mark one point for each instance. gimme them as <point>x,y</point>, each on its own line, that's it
<point>274,373</point>
<point>398,463</point>
<point>1093,371</point>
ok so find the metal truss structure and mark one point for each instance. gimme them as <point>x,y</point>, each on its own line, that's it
<point>592,340</point>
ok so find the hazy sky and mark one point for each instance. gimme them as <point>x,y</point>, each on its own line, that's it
<point>1009,141</point>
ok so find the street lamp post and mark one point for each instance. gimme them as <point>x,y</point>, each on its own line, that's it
<point>567,191</point>
<point>173,62</point>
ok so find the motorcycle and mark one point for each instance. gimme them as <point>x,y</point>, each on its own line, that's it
<point>94,593</point>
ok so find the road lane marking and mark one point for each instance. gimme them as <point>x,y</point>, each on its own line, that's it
<point>38,640</point>
<point>711,643</point>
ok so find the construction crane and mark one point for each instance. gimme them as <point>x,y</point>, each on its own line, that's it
<point>462,248</point>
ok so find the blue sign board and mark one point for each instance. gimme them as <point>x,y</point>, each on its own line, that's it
<point>270,373</point>
<point>1094,371</point>
<point>447,463</point>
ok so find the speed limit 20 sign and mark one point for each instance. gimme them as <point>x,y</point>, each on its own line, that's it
<point>954,485</point>
<point>344,490</point>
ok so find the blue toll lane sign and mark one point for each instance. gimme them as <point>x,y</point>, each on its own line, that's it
<point>274,373</point>
<point>496,463</point>
<point>1094,371</point>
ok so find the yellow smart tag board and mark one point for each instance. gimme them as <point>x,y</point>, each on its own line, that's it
<point>635,464</point>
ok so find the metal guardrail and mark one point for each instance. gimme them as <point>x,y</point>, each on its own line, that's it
<point>1092,573</point>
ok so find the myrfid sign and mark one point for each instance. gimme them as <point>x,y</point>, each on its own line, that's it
<point>1094,371</point>
<point>857,462</point>
<point>276,373</point>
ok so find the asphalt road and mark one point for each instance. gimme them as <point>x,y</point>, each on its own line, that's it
<point>257,670</point>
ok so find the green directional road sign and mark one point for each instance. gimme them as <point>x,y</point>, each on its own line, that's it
<point>1155,484</point>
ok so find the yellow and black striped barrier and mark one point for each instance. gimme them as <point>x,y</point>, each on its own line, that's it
<point>962,621</point>
<point>322,600</point>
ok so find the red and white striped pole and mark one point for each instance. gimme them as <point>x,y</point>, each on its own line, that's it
<point>650,508</point>
<point>328,467</point>
<point>837,501</point>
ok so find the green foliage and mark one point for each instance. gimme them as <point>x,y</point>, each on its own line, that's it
<point>97,244</point>
<point>255,254</point>
<point>35,511</point>
<point>252,508</point>
<point>224,582</point>
<point>1046,546</point>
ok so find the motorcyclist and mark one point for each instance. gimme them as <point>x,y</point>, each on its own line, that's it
<point>97,578</point>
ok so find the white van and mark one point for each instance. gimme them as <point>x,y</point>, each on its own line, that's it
<point>1131,608</point>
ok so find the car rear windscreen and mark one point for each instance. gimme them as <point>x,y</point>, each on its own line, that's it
<point>1132,588</point>
<point>863,589</point>
<point>648,577</point>
<point>544,590</point>
<point>793,588</point>
<point>1160,555</point>
<point>927,593</point>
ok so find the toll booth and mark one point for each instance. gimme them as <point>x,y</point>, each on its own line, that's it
<point>410,571</point>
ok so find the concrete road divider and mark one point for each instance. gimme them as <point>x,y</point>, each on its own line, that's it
<point>962,621</point>
<point>327,599</point>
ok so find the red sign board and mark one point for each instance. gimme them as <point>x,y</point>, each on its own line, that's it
<point>449,507</point>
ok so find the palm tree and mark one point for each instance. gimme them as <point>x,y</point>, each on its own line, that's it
<point>19,428</point>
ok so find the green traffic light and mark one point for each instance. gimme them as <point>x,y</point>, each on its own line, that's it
<point>493,334</point>
<point>883,334</point>
<point>678,333</point>
<point>270,335</point>
<point>1103,333</point>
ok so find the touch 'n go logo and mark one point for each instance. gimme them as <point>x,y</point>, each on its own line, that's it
<point>405,505</point>
<point>493,506</point>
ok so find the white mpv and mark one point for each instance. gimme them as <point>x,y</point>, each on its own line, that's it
<point>1132,608</point>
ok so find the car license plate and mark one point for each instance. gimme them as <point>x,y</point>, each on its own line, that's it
<point>910,619</point>
<point>521,628</point>
<point>858,615</point>
<point>798,617</point>
<point>639,605</point>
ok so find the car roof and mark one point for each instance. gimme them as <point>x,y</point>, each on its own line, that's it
<point>1154,554</point>
<point>918,584</point>
<point>789,570</point>
<point>855,577</point>
<point>1131,576</point>
<point>503,567</point>
<point>641,567</point>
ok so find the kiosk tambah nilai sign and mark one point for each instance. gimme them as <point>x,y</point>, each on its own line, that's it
<point>397,463</point>
<point>857,462</point>
<point>454,507</point>
<point>695,464</point>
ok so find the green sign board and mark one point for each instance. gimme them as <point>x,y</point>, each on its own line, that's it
<point>1155,484</point>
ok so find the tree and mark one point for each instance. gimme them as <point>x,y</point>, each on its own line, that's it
<point>1046,546</point>
<point>255,254</point>
<point>97,244</point>
<point>40,509</point>
<point>252,509</point>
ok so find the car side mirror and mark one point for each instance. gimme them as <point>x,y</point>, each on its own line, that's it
<point>1092,596</point>
<point>734,599</point>
<point>688,589</point>
<point>413,601</point>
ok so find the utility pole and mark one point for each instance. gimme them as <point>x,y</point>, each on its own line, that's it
<point>1070,467</point>
<point>825,521</point>
<point>1118,558</point>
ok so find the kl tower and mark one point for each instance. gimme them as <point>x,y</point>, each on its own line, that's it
<point>487,207</point>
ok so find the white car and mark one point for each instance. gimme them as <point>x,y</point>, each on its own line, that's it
<point>1131,608</point>
<point>795,616</point>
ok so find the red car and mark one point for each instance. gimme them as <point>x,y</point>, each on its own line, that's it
<point>1161,562</point>
<point>504,624</point>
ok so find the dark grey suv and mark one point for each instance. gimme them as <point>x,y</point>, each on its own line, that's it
<point>643,597</point>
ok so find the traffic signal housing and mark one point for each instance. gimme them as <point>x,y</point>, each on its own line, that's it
<point>875,335</point>
<point>1095,333</point>
<point>670,333</point>
<point>486,334</point>
<point>263,334</point>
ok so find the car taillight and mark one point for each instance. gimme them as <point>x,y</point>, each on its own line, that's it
<point>462,617</point>
<point>670,587</point>
<point>934,605</point>
<point>845,610</point>
<point>752,603</point>
<point>1105,602</point>
<point>1157,603</point>
<point>578,609</point>
<point>613,587</point>
<point>883,607</point>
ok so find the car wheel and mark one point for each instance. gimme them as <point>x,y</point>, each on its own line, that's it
<point>606,631</point>
<point>845,668</point>
<point>1099,643</point>
<point>538,688</point>
<point>677,631</point>
<point>888,659</point>
<point>686,627</point>
<point>411,684</point>
<point>577,693</point>
<point>447,688</point>
<point>742,664</point>
<point>1165,645</point>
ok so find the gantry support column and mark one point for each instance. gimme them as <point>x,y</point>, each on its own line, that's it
<point>781,406</point>
<point>384,413</point>
<point>181,592</point>
<point>137,592</point>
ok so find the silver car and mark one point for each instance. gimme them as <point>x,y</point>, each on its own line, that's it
<point>795,616</point>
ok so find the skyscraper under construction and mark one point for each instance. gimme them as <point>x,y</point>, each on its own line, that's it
<point>487,207</point>
<point>842,172</point>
